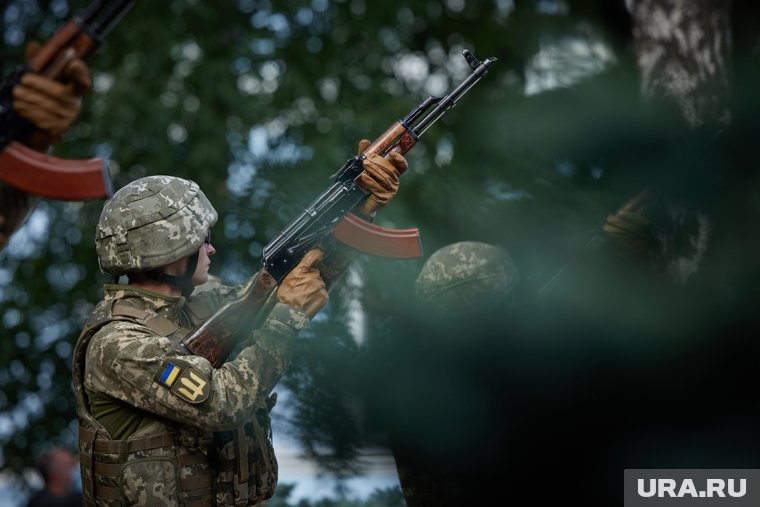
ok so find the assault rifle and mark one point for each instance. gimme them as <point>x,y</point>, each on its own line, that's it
<point>636,204</point>
<point>38,173</point>
<point>329,213</point>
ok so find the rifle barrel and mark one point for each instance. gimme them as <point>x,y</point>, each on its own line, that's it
<point>112,17</point>
<point>90,12</point>
<point>450,100</point>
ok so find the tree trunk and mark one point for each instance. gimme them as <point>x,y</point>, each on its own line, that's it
<point>683,51</point>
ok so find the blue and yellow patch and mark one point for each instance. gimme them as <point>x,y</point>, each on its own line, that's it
<point>183,380</point>
<point>170,374</point>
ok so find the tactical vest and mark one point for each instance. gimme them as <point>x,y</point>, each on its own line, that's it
<point>167,463</point>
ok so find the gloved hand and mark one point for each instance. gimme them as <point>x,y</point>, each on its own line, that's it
<point>630,231</point>
<point>51,105</point>
<point>380,178</point>
<point>303,287</point>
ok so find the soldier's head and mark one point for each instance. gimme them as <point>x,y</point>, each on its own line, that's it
<point>157,227</point>
<point>467,279</point>
<point>56,467</point>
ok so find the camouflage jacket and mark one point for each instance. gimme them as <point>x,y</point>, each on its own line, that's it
<point>203,434</point>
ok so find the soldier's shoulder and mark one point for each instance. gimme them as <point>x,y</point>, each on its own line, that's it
<point>117,335</point>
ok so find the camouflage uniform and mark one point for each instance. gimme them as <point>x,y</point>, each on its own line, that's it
<point>159,426</point>
<point>462,289</point>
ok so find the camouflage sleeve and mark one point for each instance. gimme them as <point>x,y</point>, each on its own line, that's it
<point>215,294</point>
<point>129,362</point>
<point>207,299</point>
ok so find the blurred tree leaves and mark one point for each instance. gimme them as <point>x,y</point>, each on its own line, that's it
<point>379,498</point>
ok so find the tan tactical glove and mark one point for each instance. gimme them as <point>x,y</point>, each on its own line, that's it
<point>303,287</point>
<point>51,105</point>
<point>380,178</point>
<point>630,231</point>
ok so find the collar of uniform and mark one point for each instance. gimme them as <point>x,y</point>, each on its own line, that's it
<point>159,303</point>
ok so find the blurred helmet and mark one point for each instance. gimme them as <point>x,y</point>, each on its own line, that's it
<point>466,277</point>
<point>152,222</point>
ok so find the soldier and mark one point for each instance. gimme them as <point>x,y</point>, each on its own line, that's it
<point>465,277</point>
<point>57,468</point>
<point>51,107</point>
<point>442,406</point>
<point>159,426</point>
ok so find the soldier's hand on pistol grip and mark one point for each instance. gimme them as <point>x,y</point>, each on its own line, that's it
<point>51,105</point>
<point>380,178</point>
<point>303,287</point>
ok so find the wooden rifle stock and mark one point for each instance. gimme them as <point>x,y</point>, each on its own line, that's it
<point>216,338</point>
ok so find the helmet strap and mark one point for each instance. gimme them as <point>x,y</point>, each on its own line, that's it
<point>184,282</point>
<point>187,285</point>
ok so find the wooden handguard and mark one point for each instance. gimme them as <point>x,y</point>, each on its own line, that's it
<point>374,239</point>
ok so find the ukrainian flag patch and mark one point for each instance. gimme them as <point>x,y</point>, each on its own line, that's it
<point>182,379</point>
<point>168,374</point>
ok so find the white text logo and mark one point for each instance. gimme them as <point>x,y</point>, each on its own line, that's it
<point>648,488</point>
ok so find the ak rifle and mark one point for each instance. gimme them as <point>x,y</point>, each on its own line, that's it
<point>38,173</point>
<point>329,213</point>
<point>637,204</point>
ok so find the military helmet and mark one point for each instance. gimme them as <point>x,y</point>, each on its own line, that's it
<point>152,222</point>
<point>465,277</point>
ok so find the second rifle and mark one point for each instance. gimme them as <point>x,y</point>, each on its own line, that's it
<point>38,173</point>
